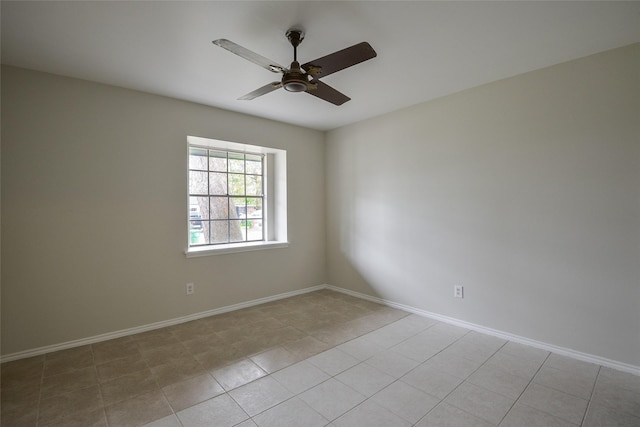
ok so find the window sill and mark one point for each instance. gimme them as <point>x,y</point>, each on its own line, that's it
<point>233,248</point>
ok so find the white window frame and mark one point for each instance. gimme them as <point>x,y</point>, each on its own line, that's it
<point>274,203</point>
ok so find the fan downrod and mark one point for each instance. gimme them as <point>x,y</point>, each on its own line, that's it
<point>295,80</point>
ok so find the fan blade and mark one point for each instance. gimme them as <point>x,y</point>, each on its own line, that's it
<point>327,93</point>
<point>249,55</point>
<point>261,91</point>
<point>340,60</point>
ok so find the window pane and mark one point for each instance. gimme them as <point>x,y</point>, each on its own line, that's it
<point>237,207</point>
<point>239,230</point>
<point>197,182</point>
<point>198,232</point>
<point>219,208</point>
<point>198,208</point>
<point>236,162</point>
<point>254,164</point>
<point>219,232</point>
<point>254,208</point>
<point>217,161</point>
<point>254,185</point>
<point>254,230</point>
<point>197,158</point>
<point>236,184</point>
<point>217,183</point>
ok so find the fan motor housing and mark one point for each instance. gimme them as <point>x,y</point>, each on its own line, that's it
<point>295,80</point>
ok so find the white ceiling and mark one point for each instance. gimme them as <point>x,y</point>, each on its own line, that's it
<point>425,49</point>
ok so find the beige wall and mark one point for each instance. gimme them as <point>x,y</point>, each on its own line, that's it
<point>94,211</point>
<point>525,191</point>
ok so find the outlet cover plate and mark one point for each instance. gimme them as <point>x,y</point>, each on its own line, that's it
<point>458,291</point>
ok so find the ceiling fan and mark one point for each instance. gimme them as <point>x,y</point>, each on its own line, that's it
<point>305,77</point>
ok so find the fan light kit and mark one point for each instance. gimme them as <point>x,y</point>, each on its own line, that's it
<point>305,77</point>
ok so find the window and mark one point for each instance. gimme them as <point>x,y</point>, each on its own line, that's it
<point>236,196</point>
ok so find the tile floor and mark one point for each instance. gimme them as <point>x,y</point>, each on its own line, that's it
<point>319,359</point>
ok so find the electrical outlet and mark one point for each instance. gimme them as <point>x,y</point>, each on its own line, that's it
<point>458,291</point>
<point>191,288</point>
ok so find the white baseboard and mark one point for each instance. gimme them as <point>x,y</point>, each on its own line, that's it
<point>585,357</point>
<point>149,327</point>
<point>489,331</point>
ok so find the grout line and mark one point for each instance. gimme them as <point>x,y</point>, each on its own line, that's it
<point>593,390</point>
<point>464,380</point>
<point>526,387</point>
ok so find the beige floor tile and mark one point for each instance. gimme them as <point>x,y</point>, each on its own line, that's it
<point>19,370</point>
<point>275,359</point>
<point>168,421</point>
<point>556,403</point>
<point>514,365</point>
<point>424,345</point>
<point>453,365</point>
<point>291,413</point>
<point>139,410</point>
<point>192,391</point>
<point>19,399</point>
<point>120,367</point>
<point>165,354</point>
<point>260,395</point>
<point>90,418</point>
<point>362,348</point>
<point>252,346</point>
<point>332,398</point>
<point>474,351</point>
<point>333,361</point>
<point>625,380</point>
<point>525,352</point>
<point>405,401</point>
<point>573,366</point>
<point>618,398</point>
<point>69,353</point>
<point>128,386</point>
<point>306,347</point>
<point>193,330</point>
<point>69,360</point>
<point>482,403</point>
<point>445,415</point>
<point>220,411</point>
<point>177,370</point>
<point>568,382</point>
<point>238,374</point>
<point>335,334</point>
<point>499,381</point>
<point>155,338</point>
<point>69,381</point>
<point>27,418</point>
<point>526,416</point>
<point>202,344</point>
<point>365,379</point>
<point>392,363</point>
<point>108,351</point>
<point>219,357</point>
<point>64,405</point>
<point>370,414</point>
<point>300,377</point>
<point>599,416</point>
<point>431,381</point>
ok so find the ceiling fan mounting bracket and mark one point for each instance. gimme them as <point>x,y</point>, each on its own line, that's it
<point>295,36</point>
